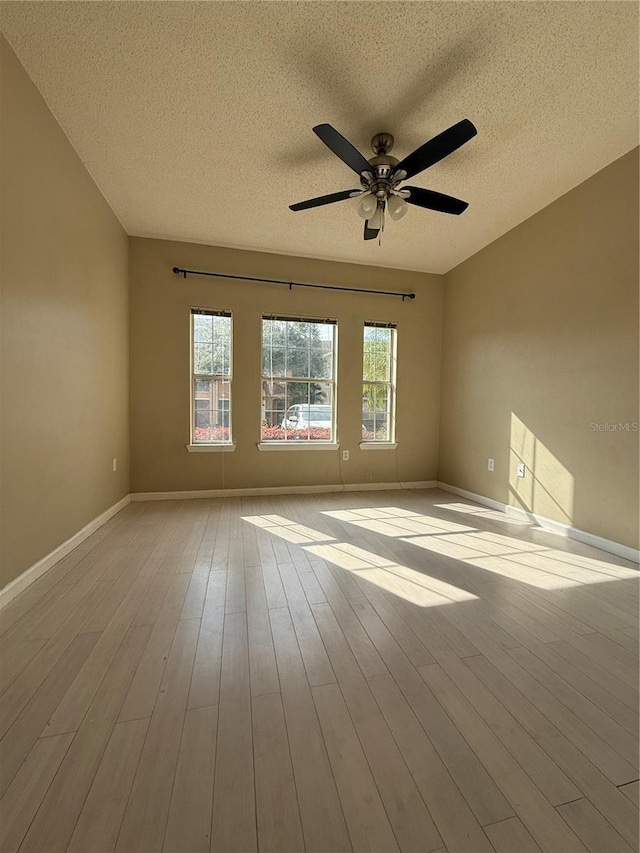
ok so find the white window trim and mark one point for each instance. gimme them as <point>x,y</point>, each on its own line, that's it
<point>203,447</point>
<point>378,445</point>
<point>303,444</point>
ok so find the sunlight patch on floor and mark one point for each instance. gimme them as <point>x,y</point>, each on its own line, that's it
<point>397,522</point>
<point>373,512</point>
<point>505,567</point>
<point>544,568</point>
<point>410,584</point>
<point>297,534</point>
<point>552,561</point>
<point>505,556</point>
<point>481,512</point>
<point>517,559</point>
<point>602,566</point>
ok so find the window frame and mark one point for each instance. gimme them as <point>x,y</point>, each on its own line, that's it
<point>309,443</point>
<point>219,444</point>
<point>390,384</point>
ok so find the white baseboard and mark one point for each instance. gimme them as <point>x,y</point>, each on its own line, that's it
<point>31,574</point>
<point>278,490</point>
<point>479,499</point>
<point>558,527</point>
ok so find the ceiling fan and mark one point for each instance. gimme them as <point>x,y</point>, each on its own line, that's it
<point>381,176</point>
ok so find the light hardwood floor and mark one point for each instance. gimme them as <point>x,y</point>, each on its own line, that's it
<point>381,671</point>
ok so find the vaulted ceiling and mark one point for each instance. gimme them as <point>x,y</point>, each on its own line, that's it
<point>195,119</point>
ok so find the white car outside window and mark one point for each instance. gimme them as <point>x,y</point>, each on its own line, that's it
<point>307,417</point>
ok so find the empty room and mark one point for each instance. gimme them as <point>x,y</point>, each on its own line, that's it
<point>319,426</point>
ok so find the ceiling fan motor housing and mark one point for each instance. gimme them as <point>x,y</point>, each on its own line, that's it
<point>380,180</point>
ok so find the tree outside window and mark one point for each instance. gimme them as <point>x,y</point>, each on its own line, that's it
<point>378,382</point>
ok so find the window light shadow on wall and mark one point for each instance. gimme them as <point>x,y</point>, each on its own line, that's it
<point>547,487</point>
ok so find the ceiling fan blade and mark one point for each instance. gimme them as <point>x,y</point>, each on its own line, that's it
<point>436,201</point>
<point>370,233</point>
<point>437,148</point>
<point>342,148</point>
<point>322,199</point>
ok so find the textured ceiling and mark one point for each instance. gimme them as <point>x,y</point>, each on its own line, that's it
<point>195,119</point>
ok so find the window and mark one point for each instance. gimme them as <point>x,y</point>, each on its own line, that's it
<point>211,380</point>
<point>298,385</point>
<point>378,382</point>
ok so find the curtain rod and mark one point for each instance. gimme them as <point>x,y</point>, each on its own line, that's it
<point>292,284</point>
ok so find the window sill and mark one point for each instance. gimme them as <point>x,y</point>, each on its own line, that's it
<point>210,448</point>
<point>298,445</point>
<point>378,445</point>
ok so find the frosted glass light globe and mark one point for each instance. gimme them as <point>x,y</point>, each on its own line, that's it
<point>397,207</point>
<point>367,205</point>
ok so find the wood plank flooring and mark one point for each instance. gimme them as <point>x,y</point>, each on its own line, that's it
<point>382,671</point>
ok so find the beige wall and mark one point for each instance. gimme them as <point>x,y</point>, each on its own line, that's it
<point>64,334</point>
<point>160,380</point>
<point>540,340</point>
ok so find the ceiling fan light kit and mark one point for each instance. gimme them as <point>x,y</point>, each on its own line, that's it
<point>382,174</point>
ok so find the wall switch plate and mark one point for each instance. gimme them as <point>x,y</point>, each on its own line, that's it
<point>114,464</point>
<point>491,464</point>
<point>520,469</point>
<point>345,455</point>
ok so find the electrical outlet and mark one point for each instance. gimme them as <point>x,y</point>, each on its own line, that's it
<point>345,455</point>
<point>520,469</point>
<point>491,464</point>
<point>114,464</point>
